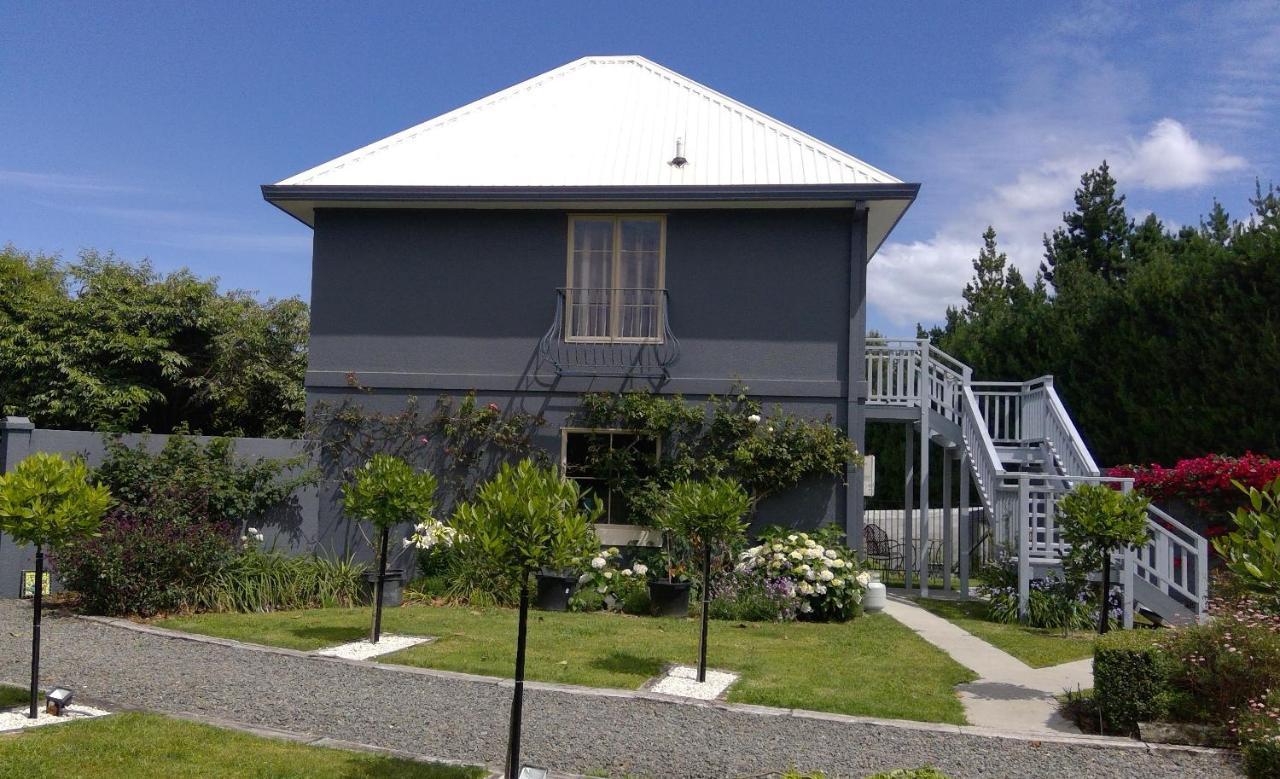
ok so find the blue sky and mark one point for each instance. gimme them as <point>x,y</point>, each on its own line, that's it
<point>147,129</point>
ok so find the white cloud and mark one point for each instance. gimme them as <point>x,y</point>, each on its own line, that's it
<point>60,182</point>
<point>1169,158</point>
<point>1068,104</point>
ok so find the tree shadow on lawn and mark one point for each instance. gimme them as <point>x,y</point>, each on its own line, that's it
<point>333,634</point>
<point>626,663</point>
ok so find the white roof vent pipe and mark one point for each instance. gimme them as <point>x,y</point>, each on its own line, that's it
<point>679,161</point>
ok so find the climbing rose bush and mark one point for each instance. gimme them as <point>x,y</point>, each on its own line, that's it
<point>827,583</point>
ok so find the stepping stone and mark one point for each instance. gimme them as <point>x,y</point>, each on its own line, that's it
<point>363,650</point>
<point>682,680</point>
<point>16,719</point>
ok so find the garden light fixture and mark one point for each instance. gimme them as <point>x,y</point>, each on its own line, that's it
<point>58,699</point>
<point>532,772</point>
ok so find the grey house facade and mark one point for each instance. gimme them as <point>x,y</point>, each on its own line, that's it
<point>711,249</point>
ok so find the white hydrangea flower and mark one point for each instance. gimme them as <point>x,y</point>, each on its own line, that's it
<point>792,538</point>
<point>805,588</point>
<point>837,563</point>
<point>810,543</point>
<point>253,531</point>
<point>624,572</point>
<point>811,576</point>
<point>754,419</point>
<point>608,574</point>
<point>598,563</point>
<point>863,578</point>
<point>259,537</point>
<point>779,556</point>
<point>830,554</point>
<point>820,589</point>
<point>813,553</point>
<point>612,551</point>
<point>640,568</point>
<point>795,555</point>
<point>837,582</point>
<point>777,547</point>
<point>805,608</point>
<point>583,579</point>
<point>826,576</point>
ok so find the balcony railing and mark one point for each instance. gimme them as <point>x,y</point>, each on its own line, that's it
<point>610,332</point>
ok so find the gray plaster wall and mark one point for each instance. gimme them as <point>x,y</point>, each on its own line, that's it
<point>456,300</point>
<point>292,527</point>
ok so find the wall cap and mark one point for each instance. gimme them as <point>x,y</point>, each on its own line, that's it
<point>16,423</point>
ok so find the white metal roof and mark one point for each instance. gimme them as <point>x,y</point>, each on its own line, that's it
<point>597,121</point>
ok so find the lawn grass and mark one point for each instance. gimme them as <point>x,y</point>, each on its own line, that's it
<point>148,746</point>
<point>14,696</point>
<point>1037,647</point>
<point>872,666</point>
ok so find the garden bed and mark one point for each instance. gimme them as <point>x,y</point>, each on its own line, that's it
<point>143,746</point>
<point>1037,647</point>
<point>872,666</point>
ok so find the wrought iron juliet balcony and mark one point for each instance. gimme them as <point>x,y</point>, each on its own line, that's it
<point>610,331</point>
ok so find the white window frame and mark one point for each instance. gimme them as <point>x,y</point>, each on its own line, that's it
<point>564,458</point>
<point>614,313</point>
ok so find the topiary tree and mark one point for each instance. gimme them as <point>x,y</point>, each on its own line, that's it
<point>706,514</point>
<point>1252,550</point>
<point>1099,521</point>
<point>387,491</point>
<point>48,502</point>
<point>527,518</point>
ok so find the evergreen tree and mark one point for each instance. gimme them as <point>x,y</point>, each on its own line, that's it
<point>1094,237</point>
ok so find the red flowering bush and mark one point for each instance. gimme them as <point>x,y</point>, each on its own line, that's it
<point>1207,483</point>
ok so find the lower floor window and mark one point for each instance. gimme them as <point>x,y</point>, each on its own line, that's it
<point>609,464</point>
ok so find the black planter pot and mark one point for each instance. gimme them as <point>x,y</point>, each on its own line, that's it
<point>392,589</point>
<point>554,590</point>
<point>669,599</point>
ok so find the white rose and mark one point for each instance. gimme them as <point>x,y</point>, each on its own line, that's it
<point>826,576</point>
<point>598,563</point>
<point>640,568</point>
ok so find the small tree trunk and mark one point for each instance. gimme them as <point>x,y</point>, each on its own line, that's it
<point>1104,605</point>
<point>706,602</point>
<point>376,633</point>
<point>517,697</point>
<point>35,631</point>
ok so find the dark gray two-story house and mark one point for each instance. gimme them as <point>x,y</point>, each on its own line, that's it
<point>609,224</point>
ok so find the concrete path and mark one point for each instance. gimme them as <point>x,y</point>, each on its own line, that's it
<point>1009,694</point>
<point>569,729</point>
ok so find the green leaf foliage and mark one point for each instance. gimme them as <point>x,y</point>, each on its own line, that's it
<point>1154,338</point>
<point>527,518</point>
<point>1098,521</point>
<point>49,501</point>
<point>387,491</point>
<point>103,344</point>
<point>1252,550</point>
<point>710,512</point>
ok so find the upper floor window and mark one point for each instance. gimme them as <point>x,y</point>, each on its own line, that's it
<point>616,274</point>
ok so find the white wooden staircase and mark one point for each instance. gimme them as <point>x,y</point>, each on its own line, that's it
<point>1024,454</point>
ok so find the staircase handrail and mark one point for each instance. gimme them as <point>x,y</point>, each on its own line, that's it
<point>1175,559</point>
<point>1078,459</point>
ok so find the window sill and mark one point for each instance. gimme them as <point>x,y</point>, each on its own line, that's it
<point>628,535</point>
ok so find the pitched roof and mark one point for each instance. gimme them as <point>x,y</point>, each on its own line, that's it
<point>597,121</point>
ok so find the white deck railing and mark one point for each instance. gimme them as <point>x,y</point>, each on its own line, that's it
<point>1023,507</point>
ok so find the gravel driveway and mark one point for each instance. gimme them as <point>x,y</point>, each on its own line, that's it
<point>458,717</point>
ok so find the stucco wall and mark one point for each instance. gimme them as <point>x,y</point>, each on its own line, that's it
<point>460,299</point>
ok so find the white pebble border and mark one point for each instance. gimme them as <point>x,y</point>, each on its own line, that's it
<point>363,650</point>
<point>16,719</point>
<point>682,680</point>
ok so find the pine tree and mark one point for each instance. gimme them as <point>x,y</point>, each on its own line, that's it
<point>1217,227</point>
<point>988,287</point>
<point>1094,237</point>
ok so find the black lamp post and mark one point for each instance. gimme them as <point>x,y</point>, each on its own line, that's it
<point>376,632</point>
<point>706,603</point>
<point>35,630</point>
<point>517,697</point>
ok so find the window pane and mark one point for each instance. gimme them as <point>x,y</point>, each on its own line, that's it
<point>638,278</point>
<point>591,278</point>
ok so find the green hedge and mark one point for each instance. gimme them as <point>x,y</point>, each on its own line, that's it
<point>1262,758</point>
<point>1129,679</point>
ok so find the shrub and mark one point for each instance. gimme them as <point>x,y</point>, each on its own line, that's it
<point>143,564</point>
<point>1252,550</point>
<point>1262,758</point>
<point>608,584</point>
<point>824,576</point>
<point>1218,668</point>
<point>1053,603</point>
<point>1130,680</point>
<point>262,581</point>
<point>746,597</point>
<point>1208,483</point>
<point>1097,522</point>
